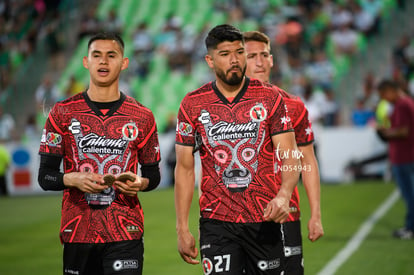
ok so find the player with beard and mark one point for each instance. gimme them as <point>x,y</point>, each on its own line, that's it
<point>259,64</point>
<point>236,124</point>
<point>101,133</point>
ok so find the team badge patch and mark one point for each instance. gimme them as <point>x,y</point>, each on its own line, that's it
<point>207,266</point>
<point>130,131</point>
<point>185,129</point>
<point>258,113</point>
<point>53,139</point>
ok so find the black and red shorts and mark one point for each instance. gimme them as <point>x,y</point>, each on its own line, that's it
<point>103,258</point>
<point>292,242</point>
<point>239,248</point>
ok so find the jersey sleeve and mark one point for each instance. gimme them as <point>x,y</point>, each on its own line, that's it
<point>52,135</point>
<point>280,122</point>
<point>185,132</point>
<point>302,125</point>
<point>149,147</point>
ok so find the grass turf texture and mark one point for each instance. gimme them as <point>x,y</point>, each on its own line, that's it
<point>29,226</point>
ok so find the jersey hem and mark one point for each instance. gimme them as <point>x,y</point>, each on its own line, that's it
<point>282,132</point>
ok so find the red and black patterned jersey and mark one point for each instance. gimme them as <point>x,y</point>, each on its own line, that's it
<point>236,150</point>
<point>299,117</point>
<point>114,142</point>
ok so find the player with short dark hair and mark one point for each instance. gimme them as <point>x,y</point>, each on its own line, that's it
<point>236,124</point>
<point>259,64</point>
<point>400,137</point>
<point>102,136</point>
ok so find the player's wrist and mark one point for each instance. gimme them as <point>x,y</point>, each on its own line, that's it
<point>182,229</point>
<point>284,194</point>
<point>67,181</point>
<point>316,213</point>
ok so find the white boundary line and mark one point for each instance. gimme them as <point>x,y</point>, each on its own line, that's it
<point>342,256</point>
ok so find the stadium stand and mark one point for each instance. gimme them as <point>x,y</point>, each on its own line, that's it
<point>177,28</point>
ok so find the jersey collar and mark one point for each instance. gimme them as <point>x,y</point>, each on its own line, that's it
<point>113,106</point>
<point>238,96</point>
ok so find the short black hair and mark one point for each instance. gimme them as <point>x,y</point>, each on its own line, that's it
<point>388,84</point>
<point>223,33</point>
<point>107,36</point>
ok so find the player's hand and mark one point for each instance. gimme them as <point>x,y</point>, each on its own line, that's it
<point>315,229</point>
<point>85,181</point>
<point>187,247</point>
<point>131,187</point>
<point>277,210</point>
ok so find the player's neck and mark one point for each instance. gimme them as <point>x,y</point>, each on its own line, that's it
<point>103,94</point>
<point>229,90</point>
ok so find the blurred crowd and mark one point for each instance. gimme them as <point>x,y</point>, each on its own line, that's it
<point>22,24</point>
<point>309,39</point>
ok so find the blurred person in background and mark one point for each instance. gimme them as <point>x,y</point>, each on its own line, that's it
<point>400,136</point>
<point>361,115</point>
<point>73,87</point>
<point>331,114</point>
<point>4,165</point>
<point>259,64</point>
<point>46,94</point>
<point>344,40</point>
<point>7,126</point>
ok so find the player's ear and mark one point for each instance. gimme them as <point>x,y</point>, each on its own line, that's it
<point>125,63</point>
<point>85,62</point>
<point>271,61</point>
<point>209,61</point>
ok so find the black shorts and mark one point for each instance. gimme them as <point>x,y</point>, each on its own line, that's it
<point>103,258</point>
<point>292,242</point>
<point>233,248</point>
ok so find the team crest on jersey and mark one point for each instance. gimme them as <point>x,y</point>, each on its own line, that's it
<point>207,266</point>
<point>130,131</point>
<point>185,129</point>
<point>258,112</point>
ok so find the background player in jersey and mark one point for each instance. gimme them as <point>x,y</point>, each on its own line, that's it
<point>101,132</point>
<point>259,64</point>
<point>236,124</point>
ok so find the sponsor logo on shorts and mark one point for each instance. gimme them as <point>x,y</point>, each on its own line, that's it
<point>293,250</point>
<point>268,264</point>
<point>207,266</point>
<point>125,264</point>
<point>205,246</point>
<point>71,271</point>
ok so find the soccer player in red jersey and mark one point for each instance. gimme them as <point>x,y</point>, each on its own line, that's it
<point>100,134</point>
<point>236,124</point>
<point>259,64</point>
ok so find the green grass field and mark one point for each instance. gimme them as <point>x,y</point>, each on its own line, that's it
<point>29,227</point>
